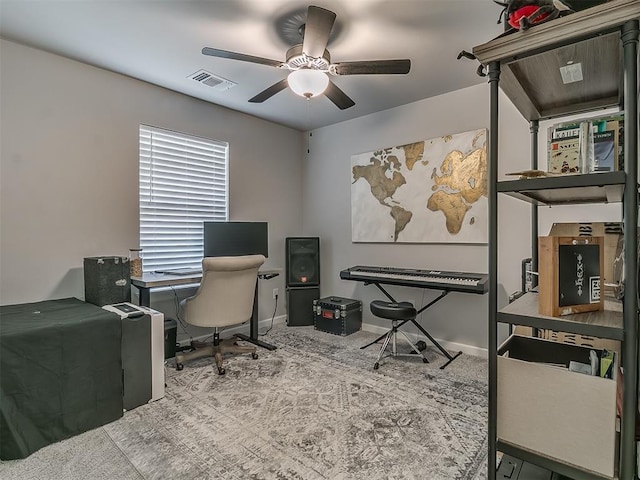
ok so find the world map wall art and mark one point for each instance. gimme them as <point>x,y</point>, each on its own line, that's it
<point>434,191</point>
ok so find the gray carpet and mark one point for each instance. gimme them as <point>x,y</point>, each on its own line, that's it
<point>312,409</point>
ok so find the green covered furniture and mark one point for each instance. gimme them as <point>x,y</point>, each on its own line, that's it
<point>60,373</point>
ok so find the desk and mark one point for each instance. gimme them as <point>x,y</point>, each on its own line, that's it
<point>151,280</point>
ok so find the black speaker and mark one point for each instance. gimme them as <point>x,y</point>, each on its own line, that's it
<point>107,280</point>
<point>300,305</point>
<point>303,261</point>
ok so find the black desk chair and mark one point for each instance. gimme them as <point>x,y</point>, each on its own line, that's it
<point>396,312</point>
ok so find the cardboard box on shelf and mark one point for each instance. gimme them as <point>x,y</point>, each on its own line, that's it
<point>604,151</point>
<point>586,146</point>
<point>570,275</point>
<point>523,331</point>
<point>582,340</point>
<point>569,148</point>
<point>575,338</point>
<point>616,126</point>
<point>611,231</point>
<point>564,155</point>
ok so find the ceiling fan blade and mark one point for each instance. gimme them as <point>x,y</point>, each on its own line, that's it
<point>337,96</point>
<point>214,52</point>
<point>269,92</point>
<point>372,67</point>
<point>316,31</point>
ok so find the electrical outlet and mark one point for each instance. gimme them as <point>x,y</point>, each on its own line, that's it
<point>275,293</point>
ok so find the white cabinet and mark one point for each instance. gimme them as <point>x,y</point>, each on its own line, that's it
<point>536,397</point>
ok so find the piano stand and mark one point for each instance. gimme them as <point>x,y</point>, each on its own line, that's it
<point>444,293</point>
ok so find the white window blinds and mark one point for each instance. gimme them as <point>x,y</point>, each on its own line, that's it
<point>183,182</point>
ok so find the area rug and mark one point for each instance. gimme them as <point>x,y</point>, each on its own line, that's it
<point>312,409</point>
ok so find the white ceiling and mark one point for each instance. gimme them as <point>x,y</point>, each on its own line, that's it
<point>161,41</point>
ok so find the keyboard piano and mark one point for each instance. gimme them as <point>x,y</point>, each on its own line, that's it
<point>409,277</point>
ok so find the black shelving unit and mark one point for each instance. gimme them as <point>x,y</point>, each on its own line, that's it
<point>604,39</point>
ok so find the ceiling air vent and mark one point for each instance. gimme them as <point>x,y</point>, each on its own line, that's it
<point>210,80</point>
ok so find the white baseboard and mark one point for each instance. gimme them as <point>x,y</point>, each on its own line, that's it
<point>451,346</point>
<point>243,328</point>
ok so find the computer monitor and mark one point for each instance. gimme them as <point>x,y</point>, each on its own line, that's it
<point>229,239</point>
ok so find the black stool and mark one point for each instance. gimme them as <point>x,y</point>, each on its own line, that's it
<point>396,312</point>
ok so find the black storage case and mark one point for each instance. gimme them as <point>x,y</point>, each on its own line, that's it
<point>340,316</point>
<point>107,280</point>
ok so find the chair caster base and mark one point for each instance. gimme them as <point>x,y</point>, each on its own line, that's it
<point>179,366</point>
<point>254,355</point>
<point>376,366</point>
<point>221,371</point>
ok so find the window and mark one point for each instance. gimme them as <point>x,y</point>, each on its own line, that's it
<point>183,182</point>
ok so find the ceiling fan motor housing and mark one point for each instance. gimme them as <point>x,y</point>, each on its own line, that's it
<point>297,59</point>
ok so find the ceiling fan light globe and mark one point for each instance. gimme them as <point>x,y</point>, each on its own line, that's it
<point>308,83</point>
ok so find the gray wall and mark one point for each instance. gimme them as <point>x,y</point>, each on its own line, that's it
<point>69,171</point>
<point>69,185</point>
<point>458,318</point>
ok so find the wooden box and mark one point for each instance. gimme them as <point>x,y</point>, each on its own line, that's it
<point>581,340</point>
<point>570,275</point>
<point>612,233</point>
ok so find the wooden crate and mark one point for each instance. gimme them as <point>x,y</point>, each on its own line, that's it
<point>581,340</point>
<point>612,233</point>
<point>570,275</point>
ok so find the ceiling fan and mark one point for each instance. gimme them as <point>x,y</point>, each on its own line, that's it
<point>310,62</point>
